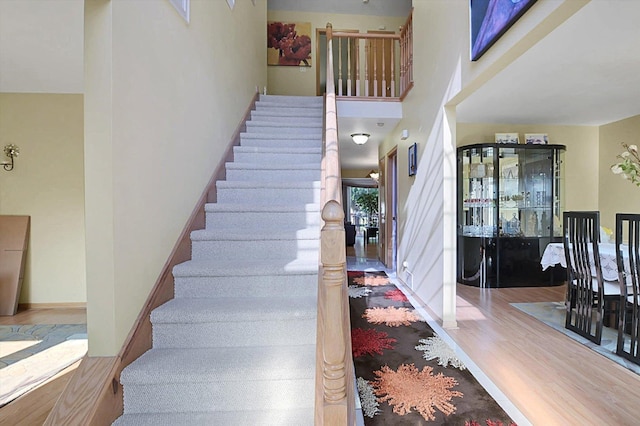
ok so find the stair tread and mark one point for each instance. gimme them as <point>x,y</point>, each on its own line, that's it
<point>184,365</point>
<point>284,417</point>
<point>272,166</point>
<point>268,123</point>
<point>261,184</point>
<point>257,233</point>
<point>266,208</point>
<point>271,136</point>
<point>241,267</point>
<point>235,309</point>
<point>276,150</point>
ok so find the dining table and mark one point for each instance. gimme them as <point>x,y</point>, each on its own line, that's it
<point>554,255</point>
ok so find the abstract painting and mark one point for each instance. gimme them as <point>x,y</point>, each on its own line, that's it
<point>490,19</point>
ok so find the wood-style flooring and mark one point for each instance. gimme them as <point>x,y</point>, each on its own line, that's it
<point>549,377</point>
<point>32,408</point>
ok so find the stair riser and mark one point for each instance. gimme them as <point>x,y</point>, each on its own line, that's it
<point>302,121</point>
<point>235,334</point>
<point>278,129</point>
<point>273,175</point>
<point>266,114</point>
<point>257,286</point>
<point>268,195</point>
<point>289,103</point>
<point>265,249</point>
<point>279,143</point>
<point>280,158</point>
<point>291,99</point>
<point>256,220</point>
<point>288,111</point>
<point>280,136</point>
<point>219,396</point>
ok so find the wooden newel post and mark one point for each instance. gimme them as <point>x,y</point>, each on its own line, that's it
<point>333,259</point>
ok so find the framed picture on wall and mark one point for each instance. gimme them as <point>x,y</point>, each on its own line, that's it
<point>289,43</point>
<point>413,159</point>
<point>490,19</point>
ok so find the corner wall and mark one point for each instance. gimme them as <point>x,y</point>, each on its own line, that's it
<point>47,183</point>
<point>163,99</point>
<point>616,195</point>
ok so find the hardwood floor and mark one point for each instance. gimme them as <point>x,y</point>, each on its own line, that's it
<point>33,407</point>
<point>552,379</point>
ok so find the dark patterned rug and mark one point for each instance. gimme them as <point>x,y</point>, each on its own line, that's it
<point>406,374</point>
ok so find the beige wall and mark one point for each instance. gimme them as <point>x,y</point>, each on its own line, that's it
<point>581,155</point>
<point>47,184</point>
<point>163,98</point>
<point>284,80</point>
<point>616,195</point>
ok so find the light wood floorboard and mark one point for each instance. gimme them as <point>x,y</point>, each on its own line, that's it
<point>33,407</point>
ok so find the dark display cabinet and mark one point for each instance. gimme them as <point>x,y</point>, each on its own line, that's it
<point>510,204</point>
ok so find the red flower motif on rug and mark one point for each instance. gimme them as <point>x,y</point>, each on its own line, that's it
<point>396,295</point>
<point>372,280</point>
<point>368,342</point>
<point>393,317</point>
<point>489,423</point>
<point>409,388</point>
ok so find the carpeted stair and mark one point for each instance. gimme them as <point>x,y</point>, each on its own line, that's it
<point>236,346</point>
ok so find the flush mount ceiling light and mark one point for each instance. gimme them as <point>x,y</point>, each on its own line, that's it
<point>360,138</point>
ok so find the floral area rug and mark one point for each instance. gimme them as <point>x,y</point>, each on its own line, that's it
<point>406,374</point>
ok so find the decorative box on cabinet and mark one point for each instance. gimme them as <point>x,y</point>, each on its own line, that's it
<point>510,204</point>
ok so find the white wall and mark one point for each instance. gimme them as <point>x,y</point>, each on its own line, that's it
<point>163,98</point>
<point>47,184</point>
<point>444,76</point>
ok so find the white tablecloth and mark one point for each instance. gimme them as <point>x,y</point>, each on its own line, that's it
<point>554,255</point>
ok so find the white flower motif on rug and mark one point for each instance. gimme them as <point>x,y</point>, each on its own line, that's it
<point>356,291</point>
<point>368,400</point>
<point>434,347</point>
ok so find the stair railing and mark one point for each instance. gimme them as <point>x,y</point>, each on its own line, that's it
<point>373,65</point>
<point>335,399</point>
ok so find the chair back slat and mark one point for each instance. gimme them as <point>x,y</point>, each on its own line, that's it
<point>585,294</point>
<point>628,262</point>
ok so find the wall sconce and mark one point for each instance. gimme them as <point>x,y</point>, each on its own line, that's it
<point>374,175</point>
<point>10,151</point>
<point>360,138</point>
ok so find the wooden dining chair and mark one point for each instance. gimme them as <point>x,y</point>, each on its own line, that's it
<point>589,296</point>
<point>628,260</point>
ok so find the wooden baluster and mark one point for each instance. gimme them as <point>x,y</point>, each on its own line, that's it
<point>367,52</point>
<point>392,77</point>
<point>375,69</point>
<point>349,76</point>
<point>357,66</point>
<point>383,77</point>
<point>339,66</point>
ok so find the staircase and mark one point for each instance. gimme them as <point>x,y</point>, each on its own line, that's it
<point>236,346</point>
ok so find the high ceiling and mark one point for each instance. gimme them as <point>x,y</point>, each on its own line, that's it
<point>586,72</point>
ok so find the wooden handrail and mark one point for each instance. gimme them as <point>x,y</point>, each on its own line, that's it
<point>335,398</point>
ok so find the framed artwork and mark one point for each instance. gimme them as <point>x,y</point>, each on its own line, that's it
<point>413,159</point>
<point>490,19</point>
<point>507,138</point>
<point>536,138</point>
<point>289,43</point>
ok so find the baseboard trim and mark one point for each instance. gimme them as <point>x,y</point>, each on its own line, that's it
<point>68,305</point>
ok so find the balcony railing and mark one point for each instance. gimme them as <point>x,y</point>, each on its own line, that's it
<point>373,65</point>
